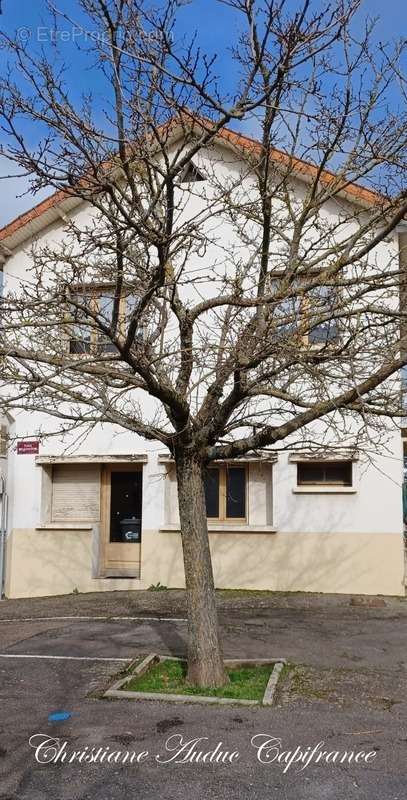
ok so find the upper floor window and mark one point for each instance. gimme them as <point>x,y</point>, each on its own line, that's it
<point>300,312</point>
<point>225,493</point>
<point>403,380</point>
<point>96,304</point>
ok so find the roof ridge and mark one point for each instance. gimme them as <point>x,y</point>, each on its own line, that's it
<point>356,190</point>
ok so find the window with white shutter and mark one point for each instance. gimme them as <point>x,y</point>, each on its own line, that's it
<point>3,441</point>
<point>75,493</point>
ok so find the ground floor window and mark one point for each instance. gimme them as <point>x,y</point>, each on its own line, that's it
<point>75,493</point>
<point>225,493</point>
<point>324,473</point>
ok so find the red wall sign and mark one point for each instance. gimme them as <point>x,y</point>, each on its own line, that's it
<point>27,447</point>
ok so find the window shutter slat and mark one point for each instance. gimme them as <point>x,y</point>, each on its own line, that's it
<point>75,493</point>
<point>3,441</point>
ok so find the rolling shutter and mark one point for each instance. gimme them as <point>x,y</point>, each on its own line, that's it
<point>3,441</point>
<point>75,493</point>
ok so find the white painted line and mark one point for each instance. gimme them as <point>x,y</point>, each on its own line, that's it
<point>97,619</point>
<point>64,658</point>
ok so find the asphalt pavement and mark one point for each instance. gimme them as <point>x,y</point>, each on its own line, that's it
<point>347,688</point>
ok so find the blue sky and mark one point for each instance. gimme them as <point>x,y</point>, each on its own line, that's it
<point>213,22</point>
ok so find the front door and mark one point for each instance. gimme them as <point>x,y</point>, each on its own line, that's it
<point>121,520</point>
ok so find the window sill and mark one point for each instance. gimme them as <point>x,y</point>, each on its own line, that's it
<point>64,526</point>
<point>318,346</point>
<point>324,490</point>
<point>224,528</point>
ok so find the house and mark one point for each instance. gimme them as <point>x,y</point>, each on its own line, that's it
<point>100,512</point>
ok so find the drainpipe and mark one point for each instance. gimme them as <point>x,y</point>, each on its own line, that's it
<point>3,526</point>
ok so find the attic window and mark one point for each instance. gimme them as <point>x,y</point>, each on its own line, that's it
<point>191,174</point>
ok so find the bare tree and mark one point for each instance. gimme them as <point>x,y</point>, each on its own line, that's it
<point>261,286</point>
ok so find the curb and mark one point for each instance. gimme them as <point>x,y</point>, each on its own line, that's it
<point>268,697</point>
<point>116,691</point>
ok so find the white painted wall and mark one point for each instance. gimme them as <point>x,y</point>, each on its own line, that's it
<point>375,507</point>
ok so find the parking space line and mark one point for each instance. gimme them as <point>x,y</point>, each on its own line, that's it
<point>64,658</point>
<point>96,619</point>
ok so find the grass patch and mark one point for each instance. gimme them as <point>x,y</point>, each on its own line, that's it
<point>169,677</point>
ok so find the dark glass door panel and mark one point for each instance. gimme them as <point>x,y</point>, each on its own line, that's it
<point>236,493</point>
<point>212,493</point>
<point>125,507</point>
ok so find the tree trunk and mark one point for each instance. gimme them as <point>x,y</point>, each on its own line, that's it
<point>205,661</point>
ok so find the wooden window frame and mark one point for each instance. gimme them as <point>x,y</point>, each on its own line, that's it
<point>95,292</point>
<point>305,312</point>
<point>348,462</point>
<point>223,468</point>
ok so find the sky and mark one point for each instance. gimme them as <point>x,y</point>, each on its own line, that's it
<point>212,21</point>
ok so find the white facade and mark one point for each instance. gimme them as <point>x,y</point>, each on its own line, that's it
<point>311,538</point>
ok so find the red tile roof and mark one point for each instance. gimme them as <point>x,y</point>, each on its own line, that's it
<point>296,165</point>
<point>33,213</point>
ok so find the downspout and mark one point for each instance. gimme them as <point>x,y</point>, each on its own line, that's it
<point>3,528</point>
<point>3,504</point>
<point>5,252</point>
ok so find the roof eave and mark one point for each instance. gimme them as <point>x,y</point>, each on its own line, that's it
<point>48,211</point>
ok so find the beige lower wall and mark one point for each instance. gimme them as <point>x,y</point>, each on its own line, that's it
<point>41,563</point>
<point>347,563</point>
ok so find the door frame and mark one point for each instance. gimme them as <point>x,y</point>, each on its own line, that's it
<point>105,497</point>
